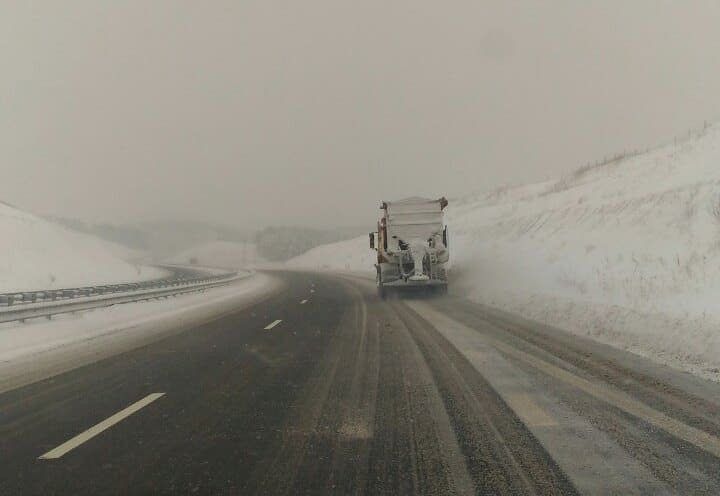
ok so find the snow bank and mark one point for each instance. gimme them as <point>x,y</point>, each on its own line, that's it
<point>220,254</point>
<point>627,252</point>
<point>37,254</point>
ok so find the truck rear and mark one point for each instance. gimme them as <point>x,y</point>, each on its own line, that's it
<point>412,245</point>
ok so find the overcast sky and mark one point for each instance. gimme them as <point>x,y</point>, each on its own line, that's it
<point>311,112</point>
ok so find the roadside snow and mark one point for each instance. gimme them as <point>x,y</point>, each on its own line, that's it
<point>627,252</point>
<point>37,254</point>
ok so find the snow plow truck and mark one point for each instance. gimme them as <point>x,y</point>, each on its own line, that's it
<point>412,245</point>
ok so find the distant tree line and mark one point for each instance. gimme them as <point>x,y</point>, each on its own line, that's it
<point>169,237</point>
<point>130,236</point>
<point>284,242</point>
<point>160,237</point>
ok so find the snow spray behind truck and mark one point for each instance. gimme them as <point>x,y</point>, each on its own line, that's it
<point>412,245</point>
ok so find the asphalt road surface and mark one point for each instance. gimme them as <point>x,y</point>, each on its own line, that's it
<point>322,388</point>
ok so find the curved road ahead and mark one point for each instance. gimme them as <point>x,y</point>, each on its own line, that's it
<point>321,388</point>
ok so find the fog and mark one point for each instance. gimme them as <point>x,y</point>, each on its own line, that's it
<point>250,113</point>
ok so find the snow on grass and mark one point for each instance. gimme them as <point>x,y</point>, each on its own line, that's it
<point>626,252</point>
<point>37,254</point>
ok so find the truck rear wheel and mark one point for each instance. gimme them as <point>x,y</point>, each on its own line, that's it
<point>380,286</point>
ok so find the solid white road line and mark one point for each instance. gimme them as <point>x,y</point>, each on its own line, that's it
<point>97,429</point>
<point>303,302</point>
<point>270,326</point>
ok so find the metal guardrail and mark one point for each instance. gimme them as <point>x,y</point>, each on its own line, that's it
<point>18,306</point>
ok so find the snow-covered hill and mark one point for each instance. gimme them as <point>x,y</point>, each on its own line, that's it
<point>220,254</point>
<point>38,254</point>
<point>627,252</point>
<point>353,255</point>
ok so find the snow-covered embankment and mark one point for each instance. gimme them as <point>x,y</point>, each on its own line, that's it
<point>37,254</point>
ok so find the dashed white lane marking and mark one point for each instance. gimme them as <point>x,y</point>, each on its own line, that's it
<point>98,428</point>
<point>270,326</point>
<point>303,302</point>
<point>312,290</point>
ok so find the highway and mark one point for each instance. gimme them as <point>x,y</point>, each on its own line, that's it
<point>323,388</point>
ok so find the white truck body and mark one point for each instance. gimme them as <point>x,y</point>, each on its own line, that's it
<point>412,244</point>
